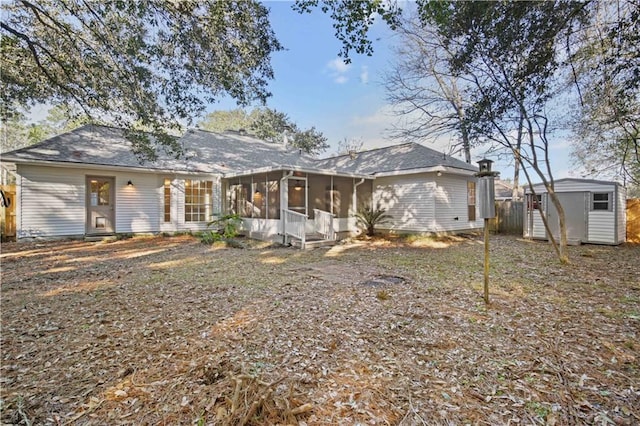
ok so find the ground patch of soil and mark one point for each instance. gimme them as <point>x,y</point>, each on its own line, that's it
<point>170,331</point>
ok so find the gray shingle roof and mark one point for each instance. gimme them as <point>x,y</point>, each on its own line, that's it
<point>204,152</point>
<point>208,152</point>
<point>404,157</point>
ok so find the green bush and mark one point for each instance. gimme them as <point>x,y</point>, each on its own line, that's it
<point>224,228</point>
<point>368,219</point>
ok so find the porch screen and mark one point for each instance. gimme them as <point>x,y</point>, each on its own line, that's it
<point>258,199</point>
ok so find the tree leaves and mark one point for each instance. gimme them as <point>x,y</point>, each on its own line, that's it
<point>267,124</point>
<point>148,65</point>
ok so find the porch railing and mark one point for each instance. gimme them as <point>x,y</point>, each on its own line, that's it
<point>324,224</point>
<point>294,225</point>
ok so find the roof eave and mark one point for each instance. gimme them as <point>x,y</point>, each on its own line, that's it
<point>433,169</point>
<point>269,169</point>
<point>77,165</point>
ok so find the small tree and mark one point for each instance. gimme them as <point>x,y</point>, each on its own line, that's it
<point>368,219</point>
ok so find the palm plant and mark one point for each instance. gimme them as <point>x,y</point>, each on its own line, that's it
<point>368,218</point>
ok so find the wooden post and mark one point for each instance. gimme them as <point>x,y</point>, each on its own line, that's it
<point>486,260</point>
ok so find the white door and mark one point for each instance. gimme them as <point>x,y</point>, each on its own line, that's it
<point>100,205</point>
<point>575,214</point>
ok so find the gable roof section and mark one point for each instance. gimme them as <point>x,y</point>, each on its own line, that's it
<point>204,152</point>
<point>227,154</point>
<point>398,159</point>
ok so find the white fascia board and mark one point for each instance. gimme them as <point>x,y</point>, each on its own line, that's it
<point>435,169</point>
<point>295,169</point>
<point>72,165</point>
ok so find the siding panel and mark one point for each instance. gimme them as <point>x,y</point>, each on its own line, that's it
<point>138,206</point>
<point>424,202</point>
<point>601,227</point>
<point>51,202</point>
<point>409,200</point>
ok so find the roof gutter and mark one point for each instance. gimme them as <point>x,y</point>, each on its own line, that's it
<point>105,167</point>
<point>354,201</point>
<point>434,169</point>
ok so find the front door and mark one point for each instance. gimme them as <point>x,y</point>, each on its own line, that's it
<point>100,205</point>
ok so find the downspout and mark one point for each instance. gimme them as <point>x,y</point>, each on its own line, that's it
<point>284,196</point>
<point>355,196</point>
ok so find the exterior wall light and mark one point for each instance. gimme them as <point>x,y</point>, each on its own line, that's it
<point>129,183</point>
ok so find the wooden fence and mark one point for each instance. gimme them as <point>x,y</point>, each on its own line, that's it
<point>633,220</point>
<point>7,212</point>
<point>509,218</point>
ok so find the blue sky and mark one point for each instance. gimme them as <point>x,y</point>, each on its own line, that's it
<point>315,88</point>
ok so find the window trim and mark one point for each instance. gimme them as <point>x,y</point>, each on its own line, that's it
<point>166,193</point>
<point>472,194</point>
<point>608,201</point>
<point>204,203</point>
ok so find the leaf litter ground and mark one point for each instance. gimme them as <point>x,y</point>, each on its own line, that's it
<point>169,331</point>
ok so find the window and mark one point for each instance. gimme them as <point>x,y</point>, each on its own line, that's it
<point>534,202</point>
<point>601,201</point>
<point>471,200</point>
<point>197,200</point>
<point>167,200</point>
<point>100,193</point>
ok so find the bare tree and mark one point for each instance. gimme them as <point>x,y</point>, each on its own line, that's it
<point>430,100</point>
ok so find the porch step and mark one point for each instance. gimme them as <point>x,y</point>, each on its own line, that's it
<point>312,241</point>
<point>99,238</point>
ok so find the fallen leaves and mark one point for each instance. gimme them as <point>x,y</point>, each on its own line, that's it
<point>166,330</point>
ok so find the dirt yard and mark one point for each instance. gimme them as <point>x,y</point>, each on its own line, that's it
<point>171,331</point>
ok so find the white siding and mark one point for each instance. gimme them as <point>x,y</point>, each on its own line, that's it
<point>408,199</point>
<point>137,205</point>
<point>424,202</point>
<point>601,227</point>
<point>51,202</point>
<point>451,209</point>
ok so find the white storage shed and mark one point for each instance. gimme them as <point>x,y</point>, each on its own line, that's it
<point>595,211</point>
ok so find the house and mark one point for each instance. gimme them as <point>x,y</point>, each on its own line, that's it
<point>504,191</point>
<point>87,182</point>
<point>594,211</point>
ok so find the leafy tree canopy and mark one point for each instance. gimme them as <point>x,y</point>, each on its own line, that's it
<point>143,65</point>
<point>352,20</point>
<point>18,133</point>
<point>267,124</point>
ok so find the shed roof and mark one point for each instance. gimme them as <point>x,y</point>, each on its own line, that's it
<point>573,184</point>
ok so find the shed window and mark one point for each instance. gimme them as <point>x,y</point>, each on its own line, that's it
<point>601,201</point>
<point>534,202</point>
<point>471,200</point>
<point>198,195</point>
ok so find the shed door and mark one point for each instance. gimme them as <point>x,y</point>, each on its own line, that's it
<point>575,213</point>
<point>100,205</point>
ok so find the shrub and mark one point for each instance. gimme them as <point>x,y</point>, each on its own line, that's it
<point>225,229</point>
<point>368,219</point>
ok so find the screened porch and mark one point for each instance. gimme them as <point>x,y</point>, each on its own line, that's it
<point>287,205</point>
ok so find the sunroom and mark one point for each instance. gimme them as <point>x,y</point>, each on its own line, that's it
<point>296,205</point>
